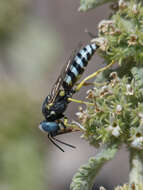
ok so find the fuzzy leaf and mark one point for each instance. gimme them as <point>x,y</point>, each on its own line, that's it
<point>84,178</point>
<point>86,5</point>
<point>138,75</point>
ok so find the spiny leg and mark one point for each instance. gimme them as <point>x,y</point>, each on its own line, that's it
<point>79,125</point>
<point>80,101</point>
<point>69,125</point>
<point>93,75</point>
<point>85,84</point>
<point>75,125</point>
<point>91,84</point>
<point>65,123</point>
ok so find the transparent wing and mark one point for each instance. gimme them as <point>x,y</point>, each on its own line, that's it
<point>58,83</point>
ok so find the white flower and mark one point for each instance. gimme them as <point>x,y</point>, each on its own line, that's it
<point>141,115</point>
<point>102,42</point>
<point>137,142</point>
<point>129,90</point>
<point>122,4</point>
<point>133,39</point>
<point>82,115</point>
<point>113,75</point>
<point>115,79</point>
<point>115,130</point>
<point>90,94</point>
<point>119,108</point>
<point>79,114</point>
<point>141,119</point>
<point>104,91</point>
<point>134,9</point>
<point>104,25</point>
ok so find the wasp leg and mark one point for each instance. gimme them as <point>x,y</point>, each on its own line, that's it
<point>63,122</point>
<point>92,76</point>
<point>80,101</point>
<point>91,83</point>
<point>66,124</point>
<point>67,127</point>
<point>85,84</point>
<point>74,125</point>
<point>79,125</point>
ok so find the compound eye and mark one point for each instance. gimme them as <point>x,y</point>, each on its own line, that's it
<point>48,127</point>
<point>41,127</point>
<point>44,126</point>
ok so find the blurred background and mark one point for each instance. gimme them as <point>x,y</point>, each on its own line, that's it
<point>36,38</point>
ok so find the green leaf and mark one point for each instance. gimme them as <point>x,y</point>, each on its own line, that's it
<point>86,5</point>
<point>138,75</point>
<point>84,178</point>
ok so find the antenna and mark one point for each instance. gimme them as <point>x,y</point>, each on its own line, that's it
<point>52,140</point>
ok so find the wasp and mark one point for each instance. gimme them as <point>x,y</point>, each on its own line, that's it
<point>56,103</point>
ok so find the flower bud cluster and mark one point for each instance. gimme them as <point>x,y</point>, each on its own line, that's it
<point>116,114</point>
<point>132,186</point>
<point>120,37</point>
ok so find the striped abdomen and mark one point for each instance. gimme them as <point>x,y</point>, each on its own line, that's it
<point>77,66</point>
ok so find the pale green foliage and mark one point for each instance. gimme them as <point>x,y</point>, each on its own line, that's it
<point>127,187</point>
<point>86,5</point>
<point>116,116</point>
<point>123,33</point>
<point>136,171</point>
<point>84,178</point>
<point>138,75</point>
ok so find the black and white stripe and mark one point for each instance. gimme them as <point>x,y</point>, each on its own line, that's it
<point>77,67</point>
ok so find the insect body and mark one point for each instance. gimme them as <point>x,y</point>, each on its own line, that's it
<point>56,103</point>
<point>78,65</point>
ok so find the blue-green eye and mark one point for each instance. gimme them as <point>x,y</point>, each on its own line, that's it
<point>49,127</point>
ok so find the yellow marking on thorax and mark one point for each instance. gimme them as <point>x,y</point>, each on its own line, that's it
<point>62,93</point>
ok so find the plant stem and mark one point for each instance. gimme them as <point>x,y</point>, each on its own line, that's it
<point>136,167</point>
